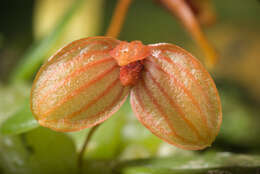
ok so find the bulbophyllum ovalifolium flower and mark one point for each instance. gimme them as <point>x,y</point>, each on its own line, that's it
<point>88,80</point>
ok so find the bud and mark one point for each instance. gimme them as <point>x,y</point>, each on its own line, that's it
<point>176,98</point>
<point>79,86</point>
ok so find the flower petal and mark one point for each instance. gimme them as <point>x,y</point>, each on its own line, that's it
<point>79,86</point>
<point>176,98</point>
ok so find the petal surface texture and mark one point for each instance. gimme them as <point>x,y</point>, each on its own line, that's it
<point>79,86</point>
<point>176,99</point>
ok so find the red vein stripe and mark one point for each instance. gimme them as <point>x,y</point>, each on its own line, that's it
<point>135,95</point>
<point>74,59</point>
<point>85,54</point>
<point>133,103</point>
<point>73,74</point>
<point>211,81</point>
<point>77,91</point>
<point>84,122</point>
<point>95,100</point>
<point>75,45</point>
<point>186,91</point>
<point>175,105</point>
<point>120,94</point>
<point>180,69</point>
<point>197,64</point>
<point>158,107</point>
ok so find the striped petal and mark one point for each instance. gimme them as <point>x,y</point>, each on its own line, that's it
<point>79,86</point>
<point>176,98</point>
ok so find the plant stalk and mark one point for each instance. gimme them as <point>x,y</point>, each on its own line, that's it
<point>83,149</point>
<point>118,18</point>
<point>113,31</point>
<point>182,11</point>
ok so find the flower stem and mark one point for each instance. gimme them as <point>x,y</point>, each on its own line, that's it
<point>118,18</point>
<point>182,10</point>
<point>83,149</point>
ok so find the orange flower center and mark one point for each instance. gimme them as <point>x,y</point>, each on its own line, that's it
<point>129,56</point>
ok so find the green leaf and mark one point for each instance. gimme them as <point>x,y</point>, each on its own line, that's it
<point>35,55</point>
<point>11,99</point>
<point>53,152</point>
<point>215,163</point>
<point>20,122</point>
<point>39,151</point>
<point>13,155</point>
<point>192,163</point>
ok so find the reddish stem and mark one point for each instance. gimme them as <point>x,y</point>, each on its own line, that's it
<point>118,18</point>
<point>182,10</point>
<point>83,149</point>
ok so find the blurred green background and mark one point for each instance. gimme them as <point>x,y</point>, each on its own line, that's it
<point>32,30</point>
